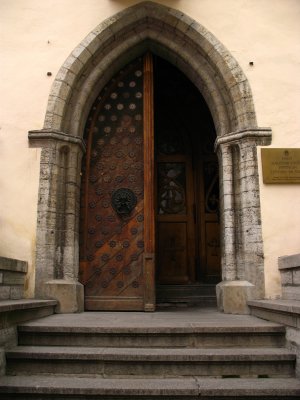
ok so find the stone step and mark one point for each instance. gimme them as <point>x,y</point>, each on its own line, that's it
<point>188,301</point>
<point>269,335</point>
<point>13,312</point>
<point>112,362</point>
<point>196,289</point>
<point>75,388</point>
<point>193,294</point>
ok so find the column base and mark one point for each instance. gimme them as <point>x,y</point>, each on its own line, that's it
<point>232,296</point>
<point>69,294</point>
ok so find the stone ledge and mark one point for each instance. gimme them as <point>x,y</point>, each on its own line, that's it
<point>13,305</point>
<point>286,312</point>
<point>10,264</point>
<point>292,261</point>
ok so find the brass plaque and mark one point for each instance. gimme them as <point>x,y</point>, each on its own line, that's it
<point>281,165</point>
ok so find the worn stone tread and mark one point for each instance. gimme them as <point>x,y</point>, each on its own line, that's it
<point>195,320</point>
<point>151,354</point>
<point>151,387</point>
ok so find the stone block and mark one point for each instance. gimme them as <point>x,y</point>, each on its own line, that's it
<point>10,264</point>
<point>8,334</point>
<point>232,296</point>
<point>13,278</point>
<point>16,292</point>
<point>69,294</point>
<point>291,261</point>
<point>4,292</point>
<point>296,276</point>
<point>286,277</point>
<point>291,292</point>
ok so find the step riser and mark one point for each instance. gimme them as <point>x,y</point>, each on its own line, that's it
<point>186,301</point>
<point>35,396</point>
<point>203,340</point>
<point>277,368</point>
<point>186,290</point>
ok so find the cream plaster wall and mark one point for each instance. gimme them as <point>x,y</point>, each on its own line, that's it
<point>37,36</point>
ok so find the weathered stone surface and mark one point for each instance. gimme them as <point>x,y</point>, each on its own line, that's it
<point>291,292</point>
<point>289,261</point>
<point>286,312</point>
<point>70,295</point>
<point>232,296</point>
<point>296,276</point>
<point>10,264</point>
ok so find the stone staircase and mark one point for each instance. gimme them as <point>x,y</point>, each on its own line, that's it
<point>197,294</point>
<point>187,354</point>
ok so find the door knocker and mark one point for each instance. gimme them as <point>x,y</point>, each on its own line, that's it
<point>123,201</point>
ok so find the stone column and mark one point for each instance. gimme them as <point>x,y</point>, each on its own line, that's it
<point>241,238</point>
<point>57,248</point>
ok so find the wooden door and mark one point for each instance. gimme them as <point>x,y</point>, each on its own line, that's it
<point>207,217</point>
<point>117,246</point>
<point>188,245</point>
<point>175,220</point>
<point>188,231</point>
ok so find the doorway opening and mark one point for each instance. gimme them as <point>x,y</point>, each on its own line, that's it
<point>115,215</point>
<point>187,188</point>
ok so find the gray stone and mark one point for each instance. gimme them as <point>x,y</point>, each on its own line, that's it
<point>286,277</point>
<point>4,292</point>
<point>291,292</point>
<point>232,296</point>
<point>291,261</point>
<point>69,295</point>
<point>11,264</point>
<point>296,276</point>
<point>152,362</point>
<point>283,311</point>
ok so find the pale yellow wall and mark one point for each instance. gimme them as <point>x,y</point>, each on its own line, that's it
<point>38,35</point>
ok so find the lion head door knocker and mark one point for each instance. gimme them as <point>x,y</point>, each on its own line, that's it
<point>123,201</point>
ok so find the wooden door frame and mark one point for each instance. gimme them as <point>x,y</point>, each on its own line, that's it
<point>149,202</point>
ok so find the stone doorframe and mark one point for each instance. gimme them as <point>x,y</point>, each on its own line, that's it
<point>185,43</point>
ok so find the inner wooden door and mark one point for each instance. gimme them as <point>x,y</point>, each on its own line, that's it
<point>187,183</point>
<point>175,219</point>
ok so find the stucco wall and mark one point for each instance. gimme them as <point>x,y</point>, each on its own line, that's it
<point>36,38</point>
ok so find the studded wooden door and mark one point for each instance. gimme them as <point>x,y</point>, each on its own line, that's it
<point>116,254</point>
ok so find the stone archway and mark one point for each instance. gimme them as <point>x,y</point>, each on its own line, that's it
<point>207,63</point>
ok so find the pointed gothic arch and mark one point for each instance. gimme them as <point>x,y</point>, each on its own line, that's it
<point>208,64</point>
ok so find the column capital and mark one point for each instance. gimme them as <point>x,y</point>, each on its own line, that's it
<point>261,137</point>
<point>39,137</point>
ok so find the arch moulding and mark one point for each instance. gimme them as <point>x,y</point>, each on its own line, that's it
<point>207,63</point>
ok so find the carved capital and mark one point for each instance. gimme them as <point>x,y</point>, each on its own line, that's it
<point>41,138</point>
<point>260,136</point>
